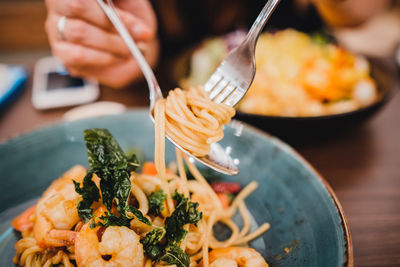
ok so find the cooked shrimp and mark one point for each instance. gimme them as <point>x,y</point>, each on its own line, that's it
<point>236,257</point>
<point>24,221</point>
<point>224,262</point>
<point>56,212</point>
<point>117,246</point>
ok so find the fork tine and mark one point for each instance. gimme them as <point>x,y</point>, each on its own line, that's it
<point>218,88</point>
<point>234,75</point>
<point>225,93</point>
<point>212,82</point>
<point>235,96</point>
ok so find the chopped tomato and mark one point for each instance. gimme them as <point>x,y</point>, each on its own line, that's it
<point>23,221</point>
<point>149,168</point>
<point>224,199</point>
<point>226,187</point>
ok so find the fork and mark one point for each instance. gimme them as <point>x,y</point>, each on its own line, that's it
<point>154,89</point>
<point>233,77</point>
<point>217,159</point>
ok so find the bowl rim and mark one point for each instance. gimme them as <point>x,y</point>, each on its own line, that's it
<point>385,98</point>
<point>343,220</point>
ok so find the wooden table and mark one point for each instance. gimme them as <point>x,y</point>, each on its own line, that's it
<point>362,166</point>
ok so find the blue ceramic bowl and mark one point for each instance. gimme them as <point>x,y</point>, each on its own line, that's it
<point>308,227</point>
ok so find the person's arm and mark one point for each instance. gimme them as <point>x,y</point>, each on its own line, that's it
<point>368,27</point>
<point>90,47</point>
<point>339,13</point>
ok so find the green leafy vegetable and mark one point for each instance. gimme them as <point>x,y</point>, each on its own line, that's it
<point>138,214</point>
<point>161,244</point>
<point>320,38</point>
<point>133,162</point>
<point>178,197</point>
<point>169,253</point>
<point>108,161</point>
<point>110,219</point>
<point>90,193</point>
<point>175,255</point>
<point>185,212</point>
<point>151,243</point>
<point>156,202</point>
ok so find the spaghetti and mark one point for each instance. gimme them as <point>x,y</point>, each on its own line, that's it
<point>193,122</point>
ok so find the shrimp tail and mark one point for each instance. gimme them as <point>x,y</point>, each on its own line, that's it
<point>24,221</point>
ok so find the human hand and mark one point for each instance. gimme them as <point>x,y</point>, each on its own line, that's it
<point>91,48</point>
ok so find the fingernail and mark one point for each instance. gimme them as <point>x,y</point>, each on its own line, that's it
<point>140,31</point>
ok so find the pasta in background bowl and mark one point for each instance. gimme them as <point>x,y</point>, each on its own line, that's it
<point>308,227</point>
<point>302,82</point>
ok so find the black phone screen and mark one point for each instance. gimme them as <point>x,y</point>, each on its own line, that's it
<point>58,80</point>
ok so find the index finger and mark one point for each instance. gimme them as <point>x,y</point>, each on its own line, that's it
<point>90,11</point>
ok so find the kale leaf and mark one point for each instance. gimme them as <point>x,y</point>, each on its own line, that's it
<point>151,243</point>
<point>133,162</point>
<point>138,214</point>
<point>161,244</point>
<point>169,253</point>
<point>110,219</point>
<point>90,193</point>
<point>156,202</point>
<point>154,237</point>
<point>108,161</point>
<point>175,255</point>
<point>185,212</point>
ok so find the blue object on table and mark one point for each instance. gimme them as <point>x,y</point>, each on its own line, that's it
<point>12,80</point>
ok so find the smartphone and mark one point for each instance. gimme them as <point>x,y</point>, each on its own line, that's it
<point>53,87</point>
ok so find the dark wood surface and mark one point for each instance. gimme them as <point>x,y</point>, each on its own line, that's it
<point>361,165</point>
<point>363,168</point>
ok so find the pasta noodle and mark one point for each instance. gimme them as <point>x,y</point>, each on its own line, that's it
<point>194,122</point>
<point>29,253</point>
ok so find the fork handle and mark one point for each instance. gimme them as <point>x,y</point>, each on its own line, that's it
<point>259,23</point>
<point>155,91</point>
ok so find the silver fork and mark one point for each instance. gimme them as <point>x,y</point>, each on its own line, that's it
<point>233,77</point>
<point>217,159</point>
<point>154,89</point>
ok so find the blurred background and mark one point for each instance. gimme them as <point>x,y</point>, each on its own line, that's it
<point>23,37</point>
<point>184,28</point>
